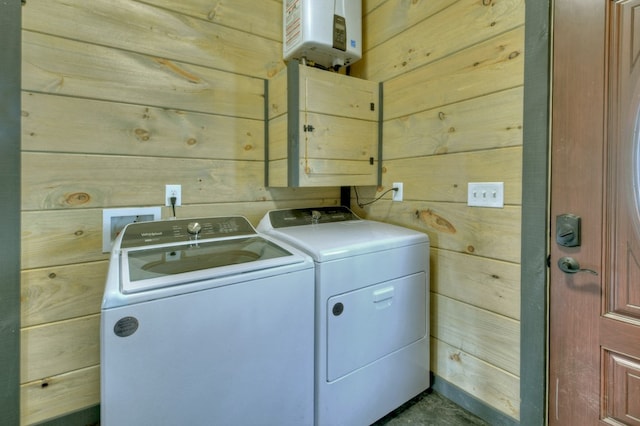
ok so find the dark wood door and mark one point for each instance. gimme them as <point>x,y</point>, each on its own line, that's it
<point>594,349</point>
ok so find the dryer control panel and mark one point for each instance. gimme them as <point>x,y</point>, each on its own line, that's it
<point>299,217</point>
<point>170,231</point>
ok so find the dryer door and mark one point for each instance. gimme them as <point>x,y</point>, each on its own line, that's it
<point>366,324</point>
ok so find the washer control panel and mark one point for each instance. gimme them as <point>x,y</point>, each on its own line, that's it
<point>310,216</point>
<point>170,231</point>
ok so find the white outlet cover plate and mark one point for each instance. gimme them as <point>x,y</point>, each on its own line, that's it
<point>114,220</point>
<point>399,194</point>
<point>172,189</point>
<point>486,194</point>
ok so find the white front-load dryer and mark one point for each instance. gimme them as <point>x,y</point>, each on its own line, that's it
<point>372,310</point>
<point>206,322</point>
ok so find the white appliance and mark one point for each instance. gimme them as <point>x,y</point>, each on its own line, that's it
<point>206,322</point>
<point>327,32</point>
<point>372,310</point>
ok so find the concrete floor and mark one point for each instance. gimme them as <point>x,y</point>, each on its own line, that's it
<point>430,409</point>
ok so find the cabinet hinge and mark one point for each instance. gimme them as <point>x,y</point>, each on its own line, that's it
<point>308,128</point>
<point>372,106</point>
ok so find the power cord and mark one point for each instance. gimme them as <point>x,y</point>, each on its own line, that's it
<point>173,205</point>
<point>361,205</point>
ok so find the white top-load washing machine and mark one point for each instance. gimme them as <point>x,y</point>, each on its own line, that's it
<point>372,310</point>
<point>206,322</point>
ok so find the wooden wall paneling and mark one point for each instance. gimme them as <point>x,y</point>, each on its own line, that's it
<point>262,18</point>
<point>87,181</point>
<point>56,65</point>
<point>64,124</point>
<point>279,173</point>
<point>445,177</point>
<point>61,292</point>
<point>159,32</point>
<point>489,284</point>
<point>494,386</point>
<point>58,347</point>
<point>493,233</point>
<point>464,24</point>
<point>488,336</point>
<point>281,198</point>
<point>65,237</point>
<point>58,395</point>
<point>395,16</point>
<point>61,237</point>
<point>488,121</point>
<point>278,139</point>
<point>278,104</point>
<point>369,5</point>
<point>491,66</point>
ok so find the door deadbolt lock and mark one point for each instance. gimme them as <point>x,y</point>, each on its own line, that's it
<point>568,230</point>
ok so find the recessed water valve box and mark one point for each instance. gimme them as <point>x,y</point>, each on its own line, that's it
<point>114,221</point>
<point>327,32</point>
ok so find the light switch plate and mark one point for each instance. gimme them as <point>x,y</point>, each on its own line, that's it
<point>486,194</point>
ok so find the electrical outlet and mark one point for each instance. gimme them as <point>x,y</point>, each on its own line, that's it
<point>397,195</point>
<point>486,194</point>
<point>173,191</point>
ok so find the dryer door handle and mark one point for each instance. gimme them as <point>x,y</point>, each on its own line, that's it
<point>383,294</point>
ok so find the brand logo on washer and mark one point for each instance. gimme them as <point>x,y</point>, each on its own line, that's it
<point>125,327</point>
<point>151,234</point>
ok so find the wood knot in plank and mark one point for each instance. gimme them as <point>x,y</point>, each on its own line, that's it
<point>455,357</point>
<point>436,221</point>
<point>471,248</point>
<point>78,198</point>
<point>192,141</point>
<point>514,55</point>
<point>142,134</point>
<point>174,68</point>
<point>52,275</point>
<point>213,13</point>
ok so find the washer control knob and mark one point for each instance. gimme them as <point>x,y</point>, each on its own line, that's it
<point>194,228</point>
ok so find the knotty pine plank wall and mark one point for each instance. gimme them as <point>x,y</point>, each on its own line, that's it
<point>121,97</point>
<point>453,96</point>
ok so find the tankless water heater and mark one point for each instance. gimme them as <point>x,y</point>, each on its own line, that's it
<point>327,32</point>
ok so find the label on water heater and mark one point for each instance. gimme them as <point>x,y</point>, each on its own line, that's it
<point>339,33</point>
<point>293,23</point>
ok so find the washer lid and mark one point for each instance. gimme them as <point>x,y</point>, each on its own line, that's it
<point>150,267</point>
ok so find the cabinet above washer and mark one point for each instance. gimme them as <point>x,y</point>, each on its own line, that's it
<point>324,129</point>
